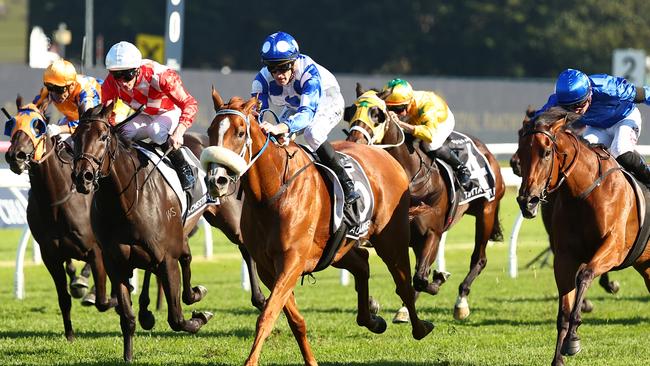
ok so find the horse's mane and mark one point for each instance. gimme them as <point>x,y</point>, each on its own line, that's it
<point>554,114</point>
<point>98,113</point>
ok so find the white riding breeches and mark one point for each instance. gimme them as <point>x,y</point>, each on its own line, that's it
<point>328,115</point>
<point>619,138</point>
<point>156,128</point>
<point>443,131</point>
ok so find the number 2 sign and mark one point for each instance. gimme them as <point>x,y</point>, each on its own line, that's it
<point>629,64</point>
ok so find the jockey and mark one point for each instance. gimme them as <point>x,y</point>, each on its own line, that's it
<point>607,105</point>
<point>311,98</point>
<point>169,109</point>
<point>70,94</point>
<point>427,117</point>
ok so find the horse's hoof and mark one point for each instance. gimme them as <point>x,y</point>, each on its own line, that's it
<point>79,281</point>
<point>441,276</point>
<point>201,290</point>
<point>373,305</point>
<point>428,327</point>
<point>205,316</point>
<point>401,316</point>
<point>147,320</point>
<point>380,325</point>
<point>613,287</point>
<point>571,347</point>
<point>420,284</point>
<point>70,337</point>
<point>78,292</point>
<point>587,306</point>
<point>461,309</point>
<point>89,299</point>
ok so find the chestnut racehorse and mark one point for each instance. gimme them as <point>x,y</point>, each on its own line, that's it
<point>429,199</point>
<point>136,217</point>
<point>594,222</point>
<point>57,215</point>
<point>287,212</point>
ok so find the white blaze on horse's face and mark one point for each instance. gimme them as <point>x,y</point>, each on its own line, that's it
<point>224,126</point>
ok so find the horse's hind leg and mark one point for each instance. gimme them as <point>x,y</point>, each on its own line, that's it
<point>78,284</point>
<point>257,296</point>
<point>190,294</point>
<point>57,271</point>
<point>145,316</point>
<point>429,251</point>
<point>102,303</point>
<point>356,261</point>
<point>170,276</point>
<point>485,222</point>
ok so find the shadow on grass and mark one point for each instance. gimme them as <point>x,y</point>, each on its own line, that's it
<point>369,363</point>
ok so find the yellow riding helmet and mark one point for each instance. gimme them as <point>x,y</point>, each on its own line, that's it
<point>402,92</point>
<point>60,73</point>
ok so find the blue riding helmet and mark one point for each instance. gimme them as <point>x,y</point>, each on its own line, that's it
<point>572,87</point>
<point>278,48</point>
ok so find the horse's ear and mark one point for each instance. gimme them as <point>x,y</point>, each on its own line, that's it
<point>42,104</point>
<point>359,90</point>
<point>105,110</point>
<point>530,111</point>
<point>19,101</point>
<point>216,99</point>
<point>559,125</point>
<point>385,93</point>
<point>349,112</point>
<point>250,104</point>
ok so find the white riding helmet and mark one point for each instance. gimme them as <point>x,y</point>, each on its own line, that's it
<point>123,56</point>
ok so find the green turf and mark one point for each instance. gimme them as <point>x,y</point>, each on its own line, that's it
<point>13,31</point>
<point>512,320</point>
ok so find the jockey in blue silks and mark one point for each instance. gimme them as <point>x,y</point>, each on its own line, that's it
<point>311,97</point>
<point>608,108</point>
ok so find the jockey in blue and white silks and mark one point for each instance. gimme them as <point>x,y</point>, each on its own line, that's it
<point>311,97</point>
<point>608,108</point>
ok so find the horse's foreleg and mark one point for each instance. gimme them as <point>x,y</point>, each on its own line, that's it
<point>428,253</point>
<point>299,330</point>
<point>484,225</point>
<point>145,316</point>
<point>99,274</point>
<point>356,261</point>
<point>127,317</point>
<point>610,286</point>
<point>257,296</point>
<point>564,269</point>
<point>170,276</point>
<point>190,294</point>
<point>291,267</point>
<point>57,271</point>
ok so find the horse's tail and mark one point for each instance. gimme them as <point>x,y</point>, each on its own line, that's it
<point>497,230</point>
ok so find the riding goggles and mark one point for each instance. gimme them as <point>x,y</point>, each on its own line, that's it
<point>397,108</point>
<point>56,89</point>
<point>125,75</point>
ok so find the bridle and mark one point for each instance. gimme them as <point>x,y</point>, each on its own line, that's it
<point>95,162</point>
<point>356,126</point>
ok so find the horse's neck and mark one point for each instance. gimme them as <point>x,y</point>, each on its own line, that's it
<point>587,167</point>
<point>51,176</point>
<point>122,174</point>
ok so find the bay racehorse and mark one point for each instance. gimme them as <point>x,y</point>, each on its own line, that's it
<point>429,198</point>
<point>136,217</point>
<point>286,218</point>
<point>57,215</point>
<point>611,287</point>
<point>595,221</point>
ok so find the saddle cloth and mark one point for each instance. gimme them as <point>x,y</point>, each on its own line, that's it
<point>192,201</point>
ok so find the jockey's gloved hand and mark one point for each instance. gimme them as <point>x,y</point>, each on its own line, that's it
<point>52,130</point>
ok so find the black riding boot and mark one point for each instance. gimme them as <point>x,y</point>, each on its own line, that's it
<point>445,154</point>
<point>327,156</point>
<point>634,163</point>
<point>182,168</point>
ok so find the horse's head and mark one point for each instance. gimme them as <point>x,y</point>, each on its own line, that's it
<point>94,141</point>
<point>27,135</point>
<point>539,158</point>
<point>230,139</point>
<point>514,160</point>
<point>368,117</point>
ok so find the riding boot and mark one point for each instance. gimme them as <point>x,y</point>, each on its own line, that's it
<point>634,163</point>
<point>445,154</point>
<point>182,168</point>
<point>328,156</point>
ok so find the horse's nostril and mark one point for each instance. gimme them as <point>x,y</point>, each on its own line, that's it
<point>21,155</point>
<point>88,176</point>
<point>222,181</point>
<point>533,201</point>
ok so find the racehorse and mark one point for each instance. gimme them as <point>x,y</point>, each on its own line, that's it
<point>611,287</point>
<point>594,222</point>
<point>226,217</point>
<point>55,213</point>
<point>136,217</point>
<point>429,199</point>
<point>286,218</point>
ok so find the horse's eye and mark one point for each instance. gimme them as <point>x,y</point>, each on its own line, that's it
<point>547,154</point>
<point>241,134</point>
<point>103,137</point>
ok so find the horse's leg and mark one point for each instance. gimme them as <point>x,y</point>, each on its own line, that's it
<point>160,297</point>
<point>170,276</point>
<point>99,274</point>
<point>564,269</point>
<point>257,296</point>
<point>145,317</point>
<point>356,261</point>
<point>610,286</point>
<point>428,247</point>
<point>485,221</point>
<point>127,317</point>
<point>55,266</point>
<point>190,294</point>
<point>290,266</point>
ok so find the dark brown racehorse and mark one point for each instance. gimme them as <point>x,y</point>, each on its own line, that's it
<point>226,217</point>
<point>429,200</point>
<point>136,217</point>
<point>547,210</point>
<point>286,218</point>
<point>594,221</point>
<point>57,216</point>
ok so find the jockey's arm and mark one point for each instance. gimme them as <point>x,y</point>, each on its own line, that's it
<point>172,85</point>
<point>642,95</point>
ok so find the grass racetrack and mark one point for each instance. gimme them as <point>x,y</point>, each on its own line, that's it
<point>512,320</point>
